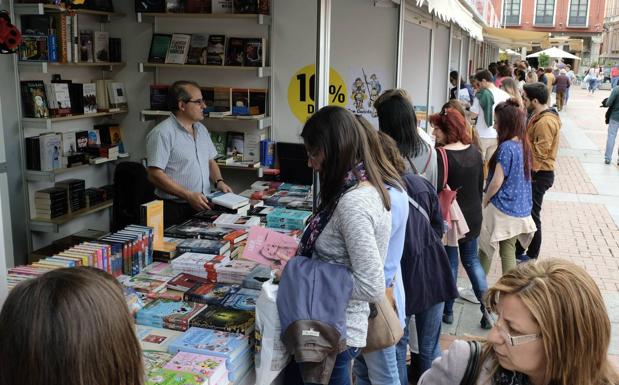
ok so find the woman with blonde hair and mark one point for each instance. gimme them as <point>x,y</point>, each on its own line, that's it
<point>531,77</point>
<point>509,85</point>
<point>549,326</point>
<point>70,326</point>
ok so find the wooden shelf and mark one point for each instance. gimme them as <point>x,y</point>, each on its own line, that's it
<point>232,121</point>
<point>43,66</point>
<point>53,225</point>
<point>51,176</point>
<point>40,9</point>
<point>259,170</point>
<point>46,124</point>
<point>260,19</point>
<point>261,72</point>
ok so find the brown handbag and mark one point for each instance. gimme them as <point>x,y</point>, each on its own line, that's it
<point>384,329</point>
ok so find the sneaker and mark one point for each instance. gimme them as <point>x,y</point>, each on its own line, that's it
<point>448,318</point>
<point>606,161</point>
<point>484,323</point>
<point>522,258</point>
<point>468,295</point>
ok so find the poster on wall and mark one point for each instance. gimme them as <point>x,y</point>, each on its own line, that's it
<point>301,91</point>
<point>365,87</point>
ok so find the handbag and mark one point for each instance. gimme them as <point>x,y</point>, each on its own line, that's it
<point>472,367</point>
<point>384,329</point>
<point>446,196</point>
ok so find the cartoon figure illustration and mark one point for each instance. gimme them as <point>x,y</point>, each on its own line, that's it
<point>278,253</point>
<point>374,88</point>
<point>358,94</point>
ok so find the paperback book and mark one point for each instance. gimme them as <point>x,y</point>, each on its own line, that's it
<point>155,339</point>
<point>235,51</point>
<point>213,368</point>
<point>212,342</point>
<point>159,47</point>
<point>225,319</point>
<point>216,49</point>
<point>198,49</point>
<point>269,248</point>
<point>179,48</point>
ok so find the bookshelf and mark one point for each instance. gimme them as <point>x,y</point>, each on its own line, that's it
<point>53,225</point>
<point>54,175</point>
<point>259,123</point>
<point>41,8</point>
<point>47,124</point>
<point>261,72</point>
<point>44,67</point>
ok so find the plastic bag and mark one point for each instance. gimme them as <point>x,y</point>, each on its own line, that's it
<point>271,353</point>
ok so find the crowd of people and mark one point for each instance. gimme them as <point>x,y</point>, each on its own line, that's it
<point>399,211</point>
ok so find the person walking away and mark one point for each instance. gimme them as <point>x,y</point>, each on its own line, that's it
<point>550,82</point>
<point>465,174</point>
<point>486,99</point>
<point>543,130</point>
<point>563,84</point>
<point>613,124</point>
<point>572,76</point>
<point>507,202</point>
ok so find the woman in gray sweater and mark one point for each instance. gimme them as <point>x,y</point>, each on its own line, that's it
<point>353,223</point>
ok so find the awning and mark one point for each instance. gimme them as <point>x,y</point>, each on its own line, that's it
<point>555,52</point>
<point>513,38</point>
<point>454,11</point>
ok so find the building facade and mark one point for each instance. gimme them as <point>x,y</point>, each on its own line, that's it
<point>580,19</point>
<point>610,37</point>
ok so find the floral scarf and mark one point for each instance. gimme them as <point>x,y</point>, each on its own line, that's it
<point>318,223</point>
<point>507,377</point>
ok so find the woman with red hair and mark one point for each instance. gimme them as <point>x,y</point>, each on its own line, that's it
<point>464,174</point>
<point>507,203</point>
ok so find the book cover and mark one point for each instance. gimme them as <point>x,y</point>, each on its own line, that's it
<point>198,6</point>
<point>117,95</point>
<point>179,48</point>
<point>204,246</point>
<point>101,47</point>
<point>235,221</point>
<point>198,49</point>
<point>269,248</point>
<point>38,25</point>
<point>34,48</point>
<point>155,339</point>
<point>235,145</point>
<point>240,101</point>
<point>162,311</point>
<point>68,143</point>
<point>197,228</point>
<point>145,284</point>
<point>103,102</point>
<point>259,275</point>
<point>159,47</point>
<point>219,141</point>
<point>235,51</point>
<point>159,97</point>
<point>93,138</point>
<point>50,147</point>
<point>211,367</point>
<point>151,215</point>
<point>175,6</point>
<point>230,200</point>
<point>76,92</point>
<point>215,50</point>
<point>221,101</point>
<point>210,293</point>
<point>154,359</point>
<point>170,377</point>
<point>81,140</point>
<point>257,101</point>
<point>224,319</point>
<point>253,52</point>
<point>222,6</point>
<point>211,342</point>
<point>185,281</point>
<point>244,299</point>
<point>86,53</point>
<point>60,98</point>
<point>251,151</point>
<point>34,99</point>
<point>245,6</point>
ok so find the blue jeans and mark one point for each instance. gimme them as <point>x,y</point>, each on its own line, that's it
<point>613,125</point>
<point>377,368</point>
<point>428,334</point>
<point>341,370</point>
<point>614,82</point>
<point>400,353</point>
<point>470,261</point>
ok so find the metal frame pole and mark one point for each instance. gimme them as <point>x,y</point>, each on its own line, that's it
<point>400,53</point>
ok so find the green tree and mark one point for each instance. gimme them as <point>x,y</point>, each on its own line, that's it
<point>543,60</point>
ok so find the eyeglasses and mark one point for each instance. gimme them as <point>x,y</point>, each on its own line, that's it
<point>197,101</point>
<point>511,340</point>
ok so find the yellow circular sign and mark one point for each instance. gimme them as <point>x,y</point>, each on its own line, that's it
<point>301,91</point>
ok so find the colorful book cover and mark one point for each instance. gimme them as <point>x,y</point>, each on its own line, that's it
<point>211,293</point>
<point>155,339</point>
<point>163,311</point>
<point>184,281</point>
<point>34,48</point>
<point>212,343</point>
<point>145,284</point>
<point>240,101</point>
<point>244,299</point>
<point>34,99</point>
<point>211,367</point>
<point>234,148</point>
<point>170,377</point>
<point>224,319</point>
<point>154,359</point>
<point>269,248</point>
<point>219,140</point>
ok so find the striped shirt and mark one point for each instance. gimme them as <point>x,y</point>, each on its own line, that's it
<point>172,149</point>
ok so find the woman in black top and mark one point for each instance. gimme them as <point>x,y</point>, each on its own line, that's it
<point>465,175</point>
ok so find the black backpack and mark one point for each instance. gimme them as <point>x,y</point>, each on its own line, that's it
<point>131,189</point>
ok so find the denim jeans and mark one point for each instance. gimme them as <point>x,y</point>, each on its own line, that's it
<point>541,181</point>
<point>614,82</point>
<point>377,368</point>
<point>613,125</point>
<point>341,370</point>
<point>474,270</point>
<point>401,349</point>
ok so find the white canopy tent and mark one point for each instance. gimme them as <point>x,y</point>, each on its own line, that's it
<point>555,52</point>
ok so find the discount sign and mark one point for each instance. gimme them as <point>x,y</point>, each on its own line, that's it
<point>301,91</point>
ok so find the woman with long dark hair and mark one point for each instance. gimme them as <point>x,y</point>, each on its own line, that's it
<point>465,174</point>
<point>507,202</point>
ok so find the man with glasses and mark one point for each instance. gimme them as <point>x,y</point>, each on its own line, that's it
<point>181,156</point>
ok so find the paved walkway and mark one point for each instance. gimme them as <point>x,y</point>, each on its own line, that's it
<point>580,215</point>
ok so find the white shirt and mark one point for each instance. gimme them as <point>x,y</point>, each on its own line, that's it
<point>485,131</point>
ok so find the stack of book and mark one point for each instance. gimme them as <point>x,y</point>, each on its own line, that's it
<point>195,263</point>
<point>234,271</point>
<point>94,196</point>
<point>155,339</point>
<point>51,202</point>
<point>191,368</point>
<point>76,193</point>
<point>282,218</point>
<point>169,314</point>
<point>259,275</point>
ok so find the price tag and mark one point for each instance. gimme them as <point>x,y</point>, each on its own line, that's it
<point>301,91</point>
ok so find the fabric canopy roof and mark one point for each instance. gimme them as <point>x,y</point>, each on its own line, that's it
<point>452,10</point>
<point>555,52</point>
<point>513,38</point>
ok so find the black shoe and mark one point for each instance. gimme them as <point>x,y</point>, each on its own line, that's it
<point>606,161</point>
<point>484,323</point>
<point>448,318</point>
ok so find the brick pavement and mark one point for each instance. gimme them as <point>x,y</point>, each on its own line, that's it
<point>577,224</point>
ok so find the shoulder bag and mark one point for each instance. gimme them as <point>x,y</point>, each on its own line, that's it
<point>384,329</point>
<point>446,196</point>
<point>472,367</point>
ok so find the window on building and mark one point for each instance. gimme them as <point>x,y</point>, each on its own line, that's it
<point>511,12</point>
<point>578,13</point>
<point>545,12</point>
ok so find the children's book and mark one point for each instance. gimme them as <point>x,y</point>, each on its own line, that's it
<point>169,377</point>
<point>211,342</point>
<point>168,313</point>
<point>269,248</point>
<point>154,359</point>
<point>145,283</point>
<point>155,339</point>
<point>211,367</point>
